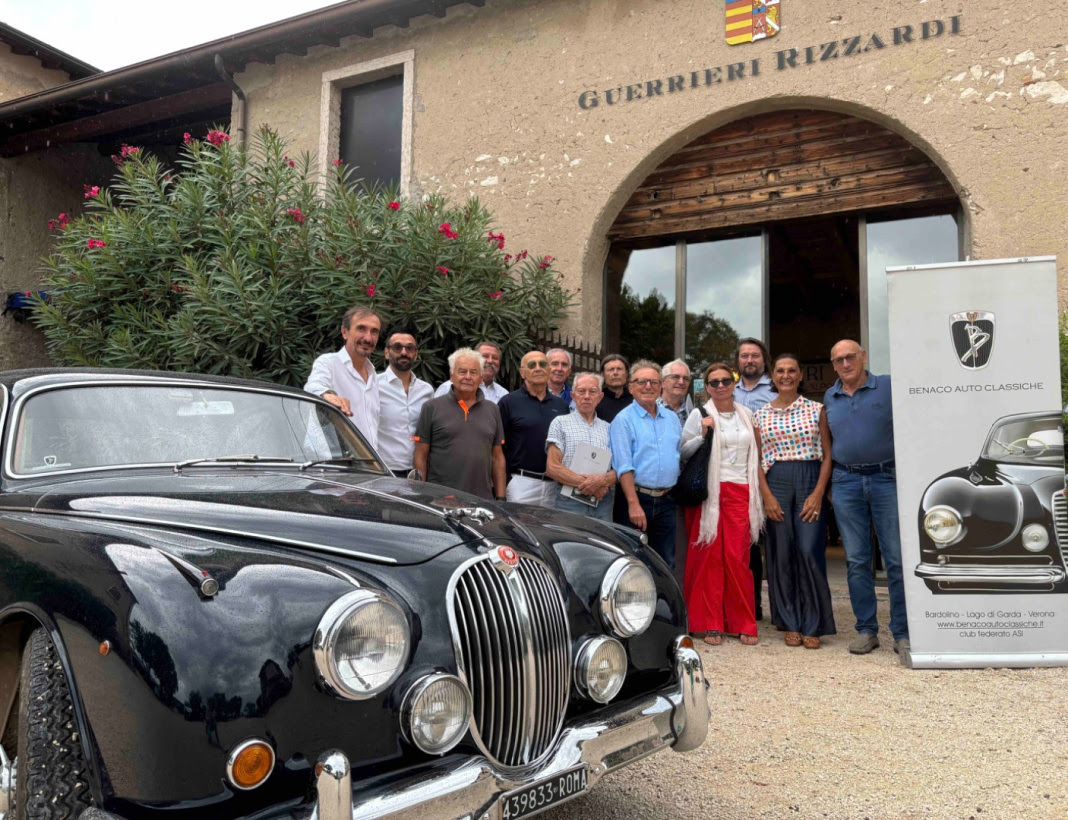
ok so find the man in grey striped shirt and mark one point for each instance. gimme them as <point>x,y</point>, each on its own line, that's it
<point>565,433</point>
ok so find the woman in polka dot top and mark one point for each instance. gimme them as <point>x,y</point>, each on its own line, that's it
<point>795,454</point>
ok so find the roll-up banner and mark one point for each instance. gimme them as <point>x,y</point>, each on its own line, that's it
<point>979,444</point>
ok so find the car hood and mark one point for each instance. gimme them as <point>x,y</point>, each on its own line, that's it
<point>378,518</point>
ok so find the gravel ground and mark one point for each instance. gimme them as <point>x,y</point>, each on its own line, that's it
<point>803,733</point>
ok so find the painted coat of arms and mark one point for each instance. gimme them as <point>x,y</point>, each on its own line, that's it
<point>749,20</point>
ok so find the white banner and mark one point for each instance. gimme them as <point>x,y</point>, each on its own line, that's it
<point>979,446</point>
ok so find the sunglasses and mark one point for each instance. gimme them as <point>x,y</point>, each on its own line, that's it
<point>537,364</point>
<point>719,382</point>
<point>397,347</point>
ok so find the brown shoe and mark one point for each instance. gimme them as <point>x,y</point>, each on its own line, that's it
<point>792,639</point>
<point>811,642</point>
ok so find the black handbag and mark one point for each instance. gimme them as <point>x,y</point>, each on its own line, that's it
<point>692,487</point>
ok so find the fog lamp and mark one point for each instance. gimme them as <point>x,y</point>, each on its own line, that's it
<point>601,668</point>
<point>436,712</point>
<point>249,764</point>
<point>1035,537</point>
<point>943,525</point>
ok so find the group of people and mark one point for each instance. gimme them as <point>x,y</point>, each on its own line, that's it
<point>611,445</point>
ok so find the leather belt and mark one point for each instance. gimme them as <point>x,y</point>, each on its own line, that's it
<point>867,469</point>
<point>532,474</point>
<point>651,491</point>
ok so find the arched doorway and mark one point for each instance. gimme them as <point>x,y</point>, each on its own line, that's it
<point>779,226</point>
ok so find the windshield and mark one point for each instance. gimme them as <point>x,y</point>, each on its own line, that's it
<point>1038,440</point>
<point>80,428</point>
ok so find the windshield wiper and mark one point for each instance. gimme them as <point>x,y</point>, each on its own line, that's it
<point>243,458</point>
<point>339,460</point>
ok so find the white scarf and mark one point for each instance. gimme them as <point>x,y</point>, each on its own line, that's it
<point>710,508</point>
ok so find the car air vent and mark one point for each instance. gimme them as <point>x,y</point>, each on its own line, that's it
<point>1060,523</point>
<point>513,647</point>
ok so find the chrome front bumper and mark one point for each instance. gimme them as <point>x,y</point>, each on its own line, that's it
<point>984,573</point>
<point>676,716</point>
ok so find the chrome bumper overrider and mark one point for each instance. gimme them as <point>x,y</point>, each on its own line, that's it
<point>676,716</point>
<point>984,573</point>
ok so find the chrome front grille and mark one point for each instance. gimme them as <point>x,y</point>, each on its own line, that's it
<point>513,646</point>
<point>1060,523</point>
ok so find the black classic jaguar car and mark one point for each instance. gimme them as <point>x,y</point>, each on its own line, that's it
<point>1000,524</point>
<point>216,601</point>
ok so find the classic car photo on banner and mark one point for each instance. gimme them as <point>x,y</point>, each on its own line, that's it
<point>979,446</point>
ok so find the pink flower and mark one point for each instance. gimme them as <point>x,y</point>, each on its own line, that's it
<point>285,160</point>
<point>546,262</point>
<point>495,294</point>
<point>129,151</point>
<point>298,217</point>
<point>446,229</point>
<point>187,138</point>
<point>444,271</point>
<point>394,206</point>
<point>498,238</point>
<point>59,222</point>
<point>91,192</point>
<point>96,243</point>
<point>338,162</point>
<point>371,290</point>
<point>217,138</point>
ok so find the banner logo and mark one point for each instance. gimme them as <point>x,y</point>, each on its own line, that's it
<point>973,337</point>
<point>749,20</point>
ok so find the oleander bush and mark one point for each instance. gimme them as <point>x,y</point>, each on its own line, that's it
<point>239,262</point>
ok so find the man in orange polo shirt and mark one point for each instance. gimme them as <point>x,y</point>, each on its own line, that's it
<point>459,437</point>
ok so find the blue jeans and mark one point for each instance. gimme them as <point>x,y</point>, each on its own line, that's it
<point>660,525</point>
<point>602,512</point>
<point>859,501</point>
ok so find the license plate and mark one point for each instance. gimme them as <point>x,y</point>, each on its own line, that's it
<point>545,793</point>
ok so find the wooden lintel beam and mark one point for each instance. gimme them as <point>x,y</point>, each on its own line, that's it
<point>88,128</point>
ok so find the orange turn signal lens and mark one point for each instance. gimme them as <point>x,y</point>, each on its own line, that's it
<point>686,642</point>
<point>250,763</point>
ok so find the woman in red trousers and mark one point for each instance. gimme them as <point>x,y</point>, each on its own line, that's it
<point>718,583</point>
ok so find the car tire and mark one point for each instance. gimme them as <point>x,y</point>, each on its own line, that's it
<point>52,782</point>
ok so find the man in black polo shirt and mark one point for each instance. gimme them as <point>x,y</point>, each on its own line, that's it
<point>526,414</point>
<point>459,437</point>
<point>614,370</point>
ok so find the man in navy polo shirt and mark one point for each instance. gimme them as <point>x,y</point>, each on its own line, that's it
<point>864,490</point>
<point>527,414</point>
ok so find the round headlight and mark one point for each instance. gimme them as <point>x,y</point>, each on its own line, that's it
<point>628,598</point>
<point>361,644</point>
<point>1035,537</point>
<point>436,711</point>
<point>943,525</point>
<point>601,668</point>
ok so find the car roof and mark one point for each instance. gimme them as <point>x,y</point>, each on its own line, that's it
<point>19,381</point>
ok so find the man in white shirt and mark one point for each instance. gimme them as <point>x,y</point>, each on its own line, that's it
<point>402,395</point>
<point>491,391</point>
<point>346,378</point>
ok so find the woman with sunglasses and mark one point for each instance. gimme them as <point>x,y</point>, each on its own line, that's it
<point>795,452</point>
<point>718,583</point>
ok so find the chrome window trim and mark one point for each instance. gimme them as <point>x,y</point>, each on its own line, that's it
<point>143,381</point>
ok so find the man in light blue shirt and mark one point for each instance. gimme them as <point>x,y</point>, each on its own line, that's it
<point>645,453</point>
<point>754,388</point>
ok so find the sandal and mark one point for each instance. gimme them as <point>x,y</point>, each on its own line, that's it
<point>748,640</point>
<point>792,639</point>
<point>811,642</point>
<point>713,638</point>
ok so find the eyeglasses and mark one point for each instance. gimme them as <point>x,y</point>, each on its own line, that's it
<point>676,378</point>
<point>397,347</point>
<point>537,364</point>
<point>646,382</point>
<point>848,357</point>
<point>719,382</point>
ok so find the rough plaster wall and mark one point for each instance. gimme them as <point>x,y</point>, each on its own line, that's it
<point>22,75</point>
<point>496,110</point>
